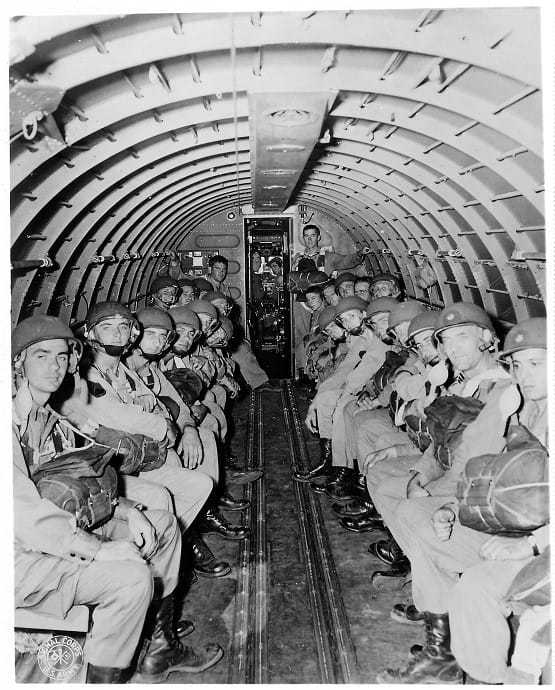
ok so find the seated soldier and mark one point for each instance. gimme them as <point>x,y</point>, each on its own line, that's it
<point>187,292</point>
<point>313,281</point>
<point>58,562</point>
<point>375,431</point>
<point>276,266</point>
<point>327,393</point>
<point>385,285</point>
<point>109,332</point>
<point>239,348</point>
<point>202,286</point>
<point>326,410</point>
<point>327,348</point>
<point>315,302</point>
<point>223,304</point>
<point>209,322</point>
<point>197,447</point>
<point>362,288</point>
<point>369,418</point>
<point>331,298</point>
<point>345,284</point>
<point>461,575</point>
<point>219,341</point>
<point>204,409</point>
<point>467,338</point>
<point>189,353</point>
<point>163,292</point>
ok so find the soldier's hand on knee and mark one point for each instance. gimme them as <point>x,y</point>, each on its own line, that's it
<point>506,549</point>
<point>377,456</point>
<point>365,402</point>
<point>443,520</point>
<point>190,448</point>
<point>143,532</point>
<point>415,488</point>
<point>147,402</point>
<point>118,551</point>
<point>311,420</point>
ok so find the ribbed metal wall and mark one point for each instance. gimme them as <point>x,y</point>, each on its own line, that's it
<point>434,145</point>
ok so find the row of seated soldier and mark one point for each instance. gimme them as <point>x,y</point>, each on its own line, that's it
<point>416,411</point>
<point>121,465</point>
<point>433,441</point>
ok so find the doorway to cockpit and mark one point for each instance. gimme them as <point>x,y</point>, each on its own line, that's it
<point>268,301</point>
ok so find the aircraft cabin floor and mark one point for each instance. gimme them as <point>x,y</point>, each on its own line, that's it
<point>298,606</point>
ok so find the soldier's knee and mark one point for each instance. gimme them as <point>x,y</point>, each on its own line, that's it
<point>163,521</point>
<point>159,498</point>
<point>203,484</point>
<point>136,584</point>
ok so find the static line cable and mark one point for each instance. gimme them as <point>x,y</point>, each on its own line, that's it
<point>234,92</point>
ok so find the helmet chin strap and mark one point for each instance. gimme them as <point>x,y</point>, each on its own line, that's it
<point>114,350</point>
<point>110,350</point>
<point>151,357</point>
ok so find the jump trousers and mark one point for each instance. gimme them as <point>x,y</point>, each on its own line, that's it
<point>122,591</point>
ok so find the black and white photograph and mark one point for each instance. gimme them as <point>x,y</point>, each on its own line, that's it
<point>277,344</point>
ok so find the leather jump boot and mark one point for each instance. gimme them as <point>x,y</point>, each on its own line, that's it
<point>358,507</point>
<point>390,553</point>
<point>367,522</point>
<point>341,488</point>
<point>213,522</point>
<point>323,469</point>
<point>435,664</point>
<point>227,502</point>
<point>407,614</point>
<point>240,476</point>
<point>163,653</point>
<point>235,473</point>
<point>204,561</point>
<point>104,674</point>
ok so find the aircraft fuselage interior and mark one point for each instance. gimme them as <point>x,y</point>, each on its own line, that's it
<point>279,346</point>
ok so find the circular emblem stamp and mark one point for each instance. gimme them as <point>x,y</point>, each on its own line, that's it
<point>60,657</point>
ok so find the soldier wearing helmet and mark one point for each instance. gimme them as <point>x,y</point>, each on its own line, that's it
<point>163,292</point>
<point>197,446</point>
<point>188,353</point>
<point>385,285</point>
<point>362,288</point>
<point>400,318</point>
<point>367,420</point>
<point>377,316</point>
<point>121,400</point>
<point>60,564</point>
<point>207,411</point>
<point>331,297</point>
<point>345,284</point>
<point>407,393</point>
<point>460,574</point>
<point>218,342</point>
<point>187,292</point>
<point>467,340</point>
<point>183,356</point>
<point>223,304</point>
<point>325,414</point>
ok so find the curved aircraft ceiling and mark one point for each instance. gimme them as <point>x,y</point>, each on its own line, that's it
<point>130,132</point>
